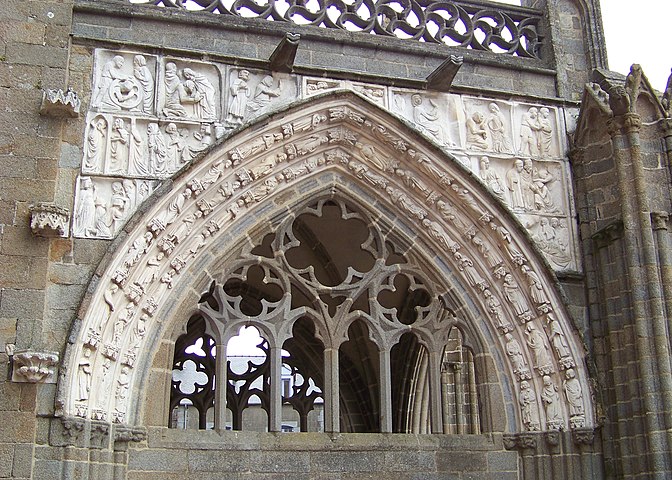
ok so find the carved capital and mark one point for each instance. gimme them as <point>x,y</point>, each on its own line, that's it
<point>583,436</point>
<point>553,438</point>
<point>520,441</point>
<point>49,220</point>
<point>126,433</point>
<point>60,104</point>
<point>615,126</point>
<point>607,235</point>
<point>659,220</point>
<point>632,122</point>
<point>34,367</point>
<point>99,435</point>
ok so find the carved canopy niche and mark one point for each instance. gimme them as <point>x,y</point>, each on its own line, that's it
<point>492,277</point>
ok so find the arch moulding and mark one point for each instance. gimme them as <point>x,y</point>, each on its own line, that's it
<point>153,277</point>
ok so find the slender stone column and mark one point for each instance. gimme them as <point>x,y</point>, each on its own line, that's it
<point>331,391</point>
<point>222,384</point>
<point>659,222</point>
<point>436,413</point>
<point>459,397</point>
<point>275,400</point>
<point>385,392</point>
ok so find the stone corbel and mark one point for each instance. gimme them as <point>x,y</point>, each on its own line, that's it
<point>60,104</point>
<point>34,367</point>
<point>659,220</point>
<point>126,433</point>
<point>583,436</point>
<point>282,58</point>
<point>49,220</point>
<point>521,441</point>
<point>442,77</point>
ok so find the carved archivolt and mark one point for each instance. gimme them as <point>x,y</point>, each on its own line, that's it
<point>483,254</point>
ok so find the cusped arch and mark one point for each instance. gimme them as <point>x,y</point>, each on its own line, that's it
<point>493,275</point>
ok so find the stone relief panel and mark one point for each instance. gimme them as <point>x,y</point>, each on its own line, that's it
<point>189,90</point>
<point>250,93</point>
<point>151,115</point>
<point>125,82</point>
<point>103,204</point>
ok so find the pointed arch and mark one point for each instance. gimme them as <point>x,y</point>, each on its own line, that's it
<point>494,282</point>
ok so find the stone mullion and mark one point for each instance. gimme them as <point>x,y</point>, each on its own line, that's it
<point>275,394</point>
<point>222,384</point>
<point>331,391</point>
<point>385,391</point>
<point>435,414</point>
<point>625,137</point>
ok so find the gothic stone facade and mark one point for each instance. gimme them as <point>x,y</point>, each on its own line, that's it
<point>448,223</point>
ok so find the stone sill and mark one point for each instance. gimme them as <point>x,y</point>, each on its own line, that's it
<point>164,437</point>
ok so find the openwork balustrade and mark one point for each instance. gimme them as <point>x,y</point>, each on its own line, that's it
<point>499,29</point>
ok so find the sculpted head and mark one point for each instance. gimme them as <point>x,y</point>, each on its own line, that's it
<point>118,61</point>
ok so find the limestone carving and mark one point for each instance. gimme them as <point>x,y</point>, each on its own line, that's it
<point>95,146</point>
<point>515,353</point>
<point>551,400</point>
<point>536,287</point>
<point>49,220</point>
<point>497,128</point>
<point>559,342</point>
<point>112,72</point>
<point>491,179</point>
<point>60,104</point>
<point>528,406</point>
<point>426,117</point>
<point>539,348</point>
<point>553,239</point>
<point>313,85</point>
<point>514,183</point>
<point>477,135</point>
<point>574,393</point>
<point>515,296</point>
<point>264,92</point>
<point>529,133</point>
<point>157,150</point>
<point>84,379</point>
<point>239,92</point>
<point>34,367</point>
<point>545,132</point>
<point>201,94</point>
<point>144,76</point>
<point>495,308</point>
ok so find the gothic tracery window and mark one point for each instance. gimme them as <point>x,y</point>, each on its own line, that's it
<point>351,337</point>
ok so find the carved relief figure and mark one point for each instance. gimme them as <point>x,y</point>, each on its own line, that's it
<point>477,135</point>
<point>84,375</point>
<point>573,392</point>
<point>156,146</point>
<point>119,206</point>
<point>515,186</point>
<point>426,119</point>
<point>112,70</point>
<point>144,77</point>
<point>202,94</point>
<point>86,208</point>
<point>536,342</point>
<point>263,94</point>
<point>551,399</point>
<point>491,179</point>
<point>119,147</point>
<point>513,294</point>
<point>175,93</point>
<point>94,149</point>
<point>499,137</point>
<point>536,288</point>
<point>557,336</point>
<point>553,241</point>
<point>542,195</point>
<point>495,308</point>
<point>526,176</point>
<point>121,392</point>
<point>240,93</point>
<point>545,132</point>
<point>529,129</point>
<point>515,352</point>
<point>528,407</point>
